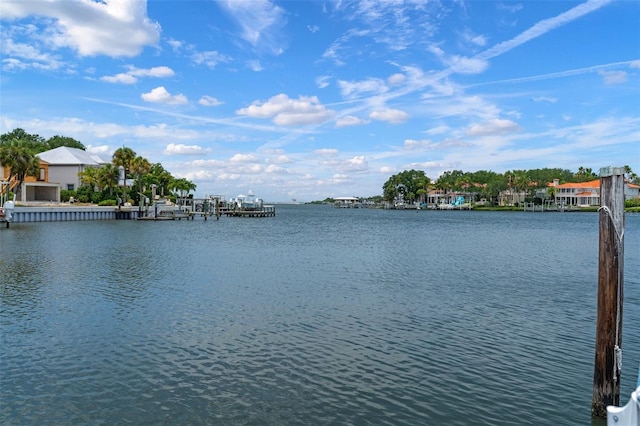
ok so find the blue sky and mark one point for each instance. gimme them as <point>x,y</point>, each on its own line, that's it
<point>316,99</point>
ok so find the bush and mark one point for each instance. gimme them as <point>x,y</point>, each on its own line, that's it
<point>633,202</point>
<point>107,203</point>
<point>65,195</point>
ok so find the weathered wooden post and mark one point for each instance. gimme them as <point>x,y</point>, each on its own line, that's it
<point>608,357</point>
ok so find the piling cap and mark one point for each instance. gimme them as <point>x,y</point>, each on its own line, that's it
<point>611,171</point>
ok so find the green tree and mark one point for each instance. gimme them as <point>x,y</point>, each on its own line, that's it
<point>182,186</point>
<point>108,176</point>
<point>405,185</point>
<point>161,178</point>
<point>89,177</point>
<point>140,166</point>
<point>585,174</point>
<point>58,141</point>
<point>34,143</point>
<point>631,176</point>
<point>18,156</point>
<point>123,157</point>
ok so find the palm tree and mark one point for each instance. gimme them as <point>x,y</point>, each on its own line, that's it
<point>123,157</point>
<point>633,178</point>
<point>89,177</point>
<point>21,162</point>
<point>183,186</point>
<point>108,177</point>
<point>140,166</point>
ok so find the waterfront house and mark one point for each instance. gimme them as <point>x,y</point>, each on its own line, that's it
<point>346,202</point>
<point>585,194</point>
<point>33,188</point>
<point>66,163</point>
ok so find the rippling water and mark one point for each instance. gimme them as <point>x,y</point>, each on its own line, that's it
<point>316,316</point>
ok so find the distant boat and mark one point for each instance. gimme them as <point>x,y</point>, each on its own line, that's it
<point>246,202</point>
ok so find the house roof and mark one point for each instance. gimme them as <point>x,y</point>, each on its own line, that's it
<point>590,184</point>
<point>64,155</point>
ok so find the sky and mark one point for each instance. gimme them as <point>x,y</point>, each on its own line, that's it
<point>308,100</point>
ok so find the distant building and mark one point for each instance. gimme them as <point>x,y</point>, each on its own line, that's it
<point>346,202</point>
<point>585,194</point>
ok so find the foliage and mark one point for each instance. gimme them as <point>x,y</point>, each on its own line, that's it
<point>406,186</point>
<point>634,202</point>
<point>18,156</point>
<point>584,174</point>
<point>105,203</point>
<point>65,195</point>
<point>58,141</point>
<point>32,143</point>
<point>37,144</point>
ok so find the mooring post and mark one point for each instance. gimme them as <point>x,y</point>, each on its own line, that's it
<point>608,356</point>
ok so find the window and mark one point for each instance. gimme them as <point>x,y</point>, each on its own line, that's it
<point>42,174</point>
<point>70,186</point>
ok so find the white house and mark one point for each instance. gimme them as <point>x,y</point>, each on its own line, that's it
<point>65,163</point>
<point>586,194</point>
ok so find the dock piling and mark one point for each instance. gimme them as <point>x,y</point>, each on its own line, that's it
<point>608,348</point>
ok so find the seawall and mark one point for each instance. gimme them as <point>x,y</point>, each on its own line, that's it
<point>55,214</point>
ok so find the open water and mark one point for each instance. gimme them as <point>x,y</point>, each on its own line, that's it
<point>317,316</point>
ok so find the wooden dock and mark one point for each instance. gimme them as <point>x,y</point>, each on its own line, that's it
<point>265,211</point>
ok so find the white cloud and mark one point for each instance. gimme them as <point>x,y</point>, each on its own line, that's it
<point>272,168</point>
<point>614,77</point>
<point>112,28</point>
<point>326,151</point>
<point>397,78</point>
<point>131,76</point>
<point>255,65</point>
<point>21,56</point>
<point>350,120</point>
<point>100,149</point>
<point>122,78</point>
<point>160,95</point>
<point>279,159</point>
<point>209,101</point>
<point>351,89</point>
<point>210,59</point>
<point>544,99</point>
<point>322,81</point>
<point>413,144</point>
<point>181,149</point>
<point>393,116</point>
<point>243,158</point>
<point>358,163</point>
<point>260,22</point>
<point>464,65</point>
<point>285,111</point>
<point>492,127</point>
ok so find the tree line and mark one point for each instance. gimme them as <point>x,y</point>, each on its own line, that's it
<point>19,152</point>
<point>413,185</point>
